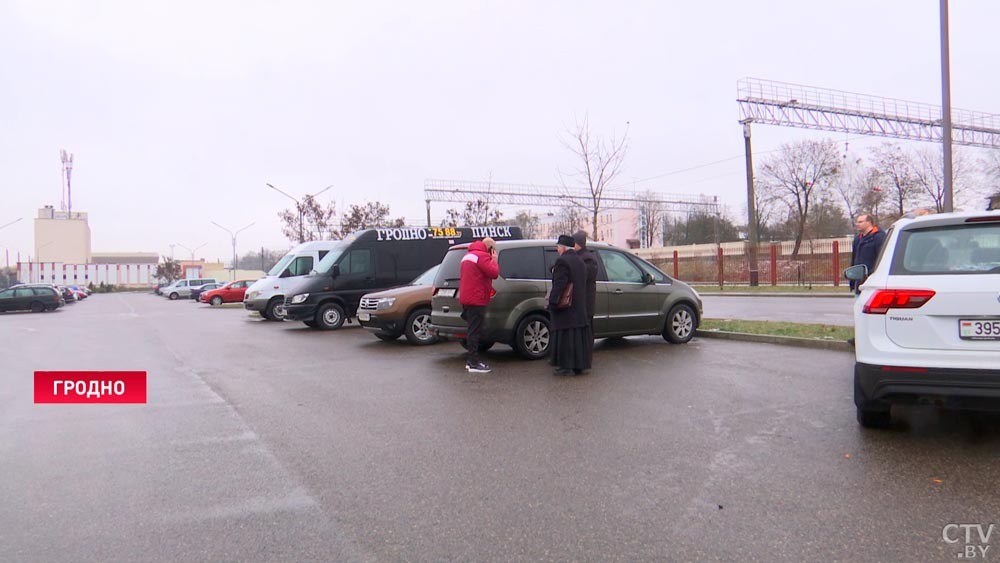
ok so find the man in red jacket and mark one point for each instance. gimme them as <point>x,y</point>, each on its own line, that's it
<point>475,287</point>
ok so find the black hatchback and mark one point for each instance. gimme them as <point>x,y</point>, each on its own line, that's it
<point>30,298</point>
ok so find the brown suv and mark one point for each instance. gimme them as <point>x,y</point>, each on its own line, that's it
<point>401,311</point>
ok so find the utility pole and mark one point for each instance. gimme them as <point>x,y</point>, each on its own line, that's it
<point>233,235</point>
<point>298,205</point>
<point>752,235</point>
<point>949,201</point>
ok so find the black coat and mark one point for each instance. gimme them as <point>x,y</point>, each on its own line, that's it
<point>865,249</point>
<point>569,268</point>
<point>590,261</point>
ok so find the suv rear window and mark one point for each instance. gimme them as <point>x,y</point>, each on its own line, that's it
<point>958,249</point>
<point>448,274</point>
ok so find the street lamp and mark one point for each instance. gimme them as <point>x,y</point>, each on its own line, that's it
<point>233,235</point>
<point>192,251</point>
<point>298,205</point>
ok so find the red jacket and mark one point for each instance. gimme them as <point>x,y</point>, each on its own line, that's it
<point>477,270</point>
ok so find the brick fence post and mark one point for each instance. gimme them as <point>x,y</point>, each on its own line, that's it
<point>774,264</point>
<point>836,263</point>
<point>722,274</point>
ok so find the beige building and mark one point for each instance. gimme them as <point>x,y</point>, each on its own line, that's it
<point>61,238</point>
<point>619,227</point>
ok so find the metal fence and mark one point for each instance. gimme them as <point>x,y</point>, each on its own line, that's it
<point>819,262</point>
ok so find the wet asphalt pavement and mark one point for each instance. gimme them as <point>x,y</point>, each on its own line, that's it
<point>821,310</point>
<point>273,442</point>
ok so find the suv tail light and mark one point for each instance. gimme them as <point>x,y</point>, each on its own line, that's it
<point>884,299</point>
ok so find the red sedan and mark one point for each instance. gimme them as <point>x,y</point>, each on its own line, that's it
<point>232,292</point>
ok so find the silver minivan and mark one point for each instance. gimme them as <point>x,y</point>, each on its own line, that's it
<point>182,288</point>
<point>267,295</point>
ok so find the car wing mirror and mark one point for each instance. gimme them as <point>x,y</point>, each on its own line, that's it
<point>856,273</point>
<point>335,271</point>
<point>648,278</point>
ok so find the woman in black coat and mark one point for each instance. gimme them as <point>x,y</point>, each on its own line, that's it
<point>570,326</point>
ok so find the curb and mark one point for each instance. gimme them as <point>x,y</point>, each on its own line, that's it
<point>806,295</point>
<point>814,343</point>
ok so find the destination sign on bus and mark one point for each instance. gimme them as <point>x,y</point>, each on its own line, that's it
<point>424,233</point>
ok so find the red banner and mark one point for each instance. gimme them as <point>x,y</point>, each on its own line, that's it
<point>90,387</point>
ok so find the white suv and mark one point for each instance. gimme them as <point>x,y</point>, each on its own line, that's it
<point>927,321</point>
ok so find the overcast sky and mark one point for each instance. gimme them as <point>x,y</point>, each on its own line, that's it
<point>178,112</point>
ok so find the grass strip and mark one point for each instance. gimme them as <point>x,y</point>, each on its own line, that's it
<point>778,328</point>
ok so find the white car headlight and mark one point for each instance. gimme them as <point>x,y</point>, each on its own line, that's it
<point>252,295</point>
<point>300,298</point>
<point>384,303</point>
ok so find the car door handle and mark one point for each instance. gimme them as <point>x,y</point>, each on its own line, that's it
<point>619,291</point>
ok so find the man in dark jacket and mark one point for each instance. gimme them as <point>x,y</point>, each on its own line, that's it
<point>475,287</point>
<point>570,332</point>
<point>867,244</point>
<point>590,261</point>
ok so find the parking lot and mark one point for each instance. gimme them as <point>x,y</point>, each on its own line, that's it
<point>271,441</point>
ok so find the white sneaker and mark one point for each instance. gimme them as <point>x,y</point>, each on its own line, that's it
<point>478,367</point>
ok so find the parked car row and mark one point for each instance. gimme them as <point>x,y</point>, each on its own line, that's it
<point>40,297</point>
<point>182,288</point>
<point>206,290</point>
<point>368,277</point>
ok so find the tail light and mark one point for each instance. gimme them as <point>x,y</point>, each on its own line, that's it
<point>435,292</point>
<point>884,299</point>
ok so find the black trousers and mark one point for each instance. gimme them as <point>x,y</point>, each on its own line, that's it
<point>474,316</point>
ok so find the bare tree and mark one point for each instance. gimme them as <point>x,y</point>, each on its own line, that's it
<point>827,219</point>
<point>168,270</point>
<point>317,221</point>
<point>798,174</point>
<point>650,218</point>
<point>476,212</point>
<point>766,203</point>
<point>989,167</point>
<point>896,167</point>
<point>873,197</point>
<point>852,184</point>
<point>531,224</point>
<point>568,220</point>
<point>701,227</point>
<point>368,216</point>
<point>600,162</point>
<point>928,171</point>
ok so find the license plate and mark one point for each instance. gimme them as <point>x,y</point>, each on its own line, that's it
<point>979,329</point>
<point>446,292</point>
<point>364,317</point>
